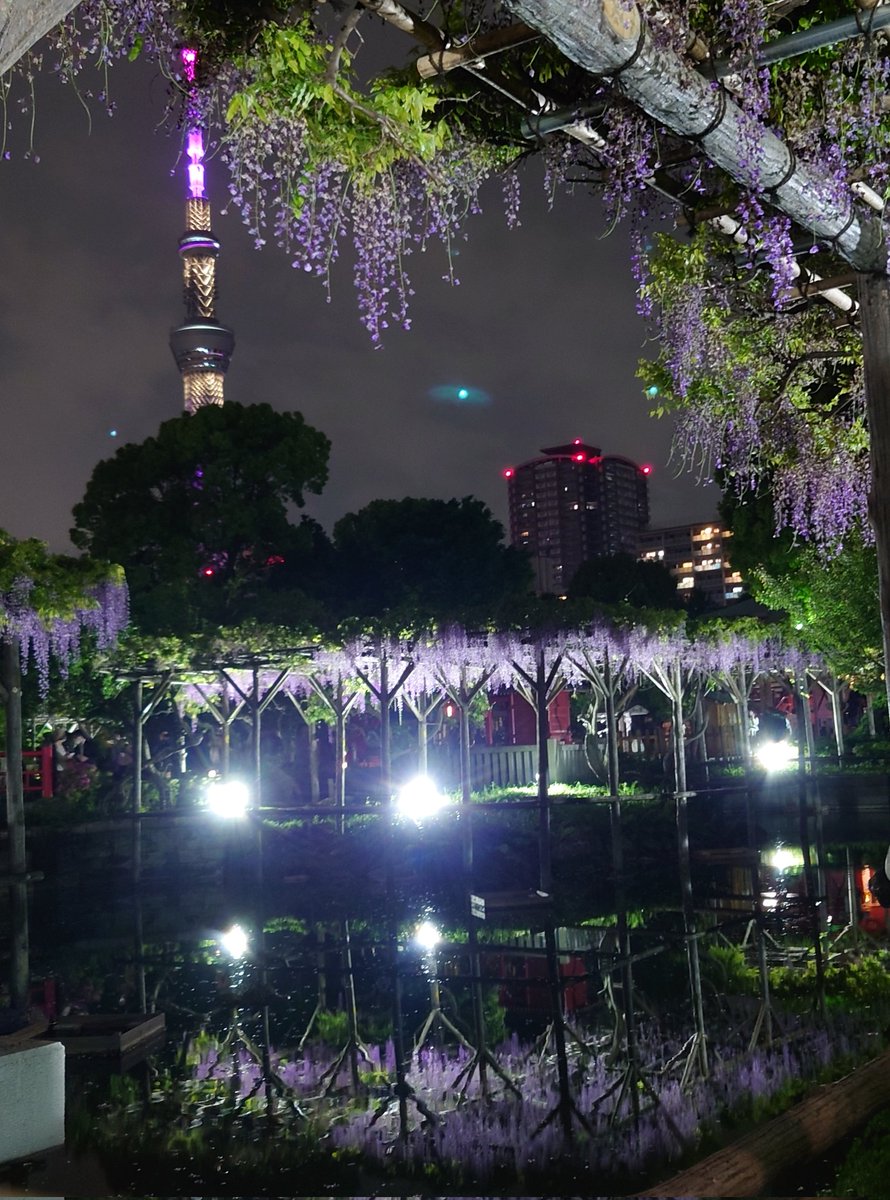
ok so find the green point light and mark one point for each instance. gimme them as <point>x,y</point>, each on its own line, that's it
<point>652,390</point>
<point>462,393</point>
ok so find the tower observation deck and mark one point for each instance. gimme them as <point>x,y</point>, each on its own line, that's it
<point>202,346</point>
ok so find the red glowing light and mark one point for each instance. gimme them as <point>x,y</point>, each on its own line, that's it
<point>578,457</point>
<point>508,472</point>
<point>274,559</point>
<point>576,442</point>
<point>647,470</point>
<point>449,710</point>
<point>207,572</point>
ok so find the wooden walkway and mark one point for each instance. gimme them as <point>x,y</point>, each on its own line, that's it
<point>749,1166</point>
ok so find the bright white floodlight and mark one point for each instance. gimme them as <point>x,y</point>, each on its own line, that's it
<point>234,942</point>
<point>227,798</point>
<point>776,756</point>
<point>427,937</point>
<point>419,800</point>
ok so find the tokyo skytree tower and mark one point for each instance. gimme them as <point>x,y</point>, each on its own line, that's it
<point>201,346</point>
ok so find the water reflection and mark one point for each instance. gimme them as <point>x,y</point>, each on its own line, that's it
<point>577,1039</point>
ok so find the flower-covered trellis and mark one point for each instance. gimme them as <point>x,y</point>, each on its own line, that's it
<point>47,603</point>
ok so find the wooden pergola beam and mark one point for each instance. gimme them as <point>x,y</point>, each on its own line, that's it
<point>611,38</point>
<point>24,22</point>
<point>476,49</point>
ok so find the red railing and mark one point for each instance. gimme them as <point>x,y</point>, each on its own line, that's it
<point>37,772</point>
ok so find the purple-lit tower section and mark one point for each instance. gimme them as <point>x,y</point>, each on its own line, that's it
<point>201,346</point>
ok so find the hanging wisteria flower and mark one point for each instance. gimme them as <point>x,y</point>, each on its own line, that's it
<point>48,601</point>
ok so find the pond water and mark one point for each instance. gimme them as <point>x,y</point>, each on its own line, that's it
<point>602,1000</point>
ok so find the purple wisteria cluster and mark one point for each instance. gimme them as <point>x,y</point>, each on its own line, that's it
<point>103,611</point>
<point>455,661</point>
<point>312,204</point>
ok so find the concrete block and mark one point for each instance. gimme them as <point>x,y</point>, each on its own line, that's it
<point>32,1099</point>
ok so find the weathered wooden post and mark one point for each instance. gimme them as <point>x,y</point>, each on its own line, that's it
<point>11,694</point>
<point>874,314</point>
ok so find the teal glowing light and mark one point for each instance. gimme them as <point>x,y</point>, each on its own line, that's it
<point>458,393</point>
<point>652,390</point>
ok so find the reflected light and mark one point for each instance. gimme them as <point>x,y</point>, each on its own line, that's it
<point>234,941</point>
<point>227,798</point>
<point>783,857</point>
<point>420,799</point>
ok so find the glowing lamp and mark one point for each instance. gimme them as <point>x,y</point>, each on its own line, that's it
<point>195,152</point>
<point>776,756</point>
<point>208,572</point>
<point>195,145</point>
<point>234,942</point>
<point>227,798</point>
<point>647,470</point>
<point>419,800</point>
<point>508,472</point>
<point>462,393</point>
<point>189,58</point>
<point>652,390</point>
<point>576,442</point>
<point>427,937</point>
<point>578,457</point>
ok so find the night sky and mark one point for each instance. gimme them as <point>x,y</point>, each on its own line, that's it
<point>541,331</point>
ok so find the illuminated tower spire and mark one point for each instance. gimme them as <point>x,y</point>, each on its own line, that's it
<point>201,346</point>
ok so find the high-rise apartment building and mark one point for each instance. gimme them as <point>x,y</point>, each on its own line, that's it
<point>575,503</point>
<point>697,556</point>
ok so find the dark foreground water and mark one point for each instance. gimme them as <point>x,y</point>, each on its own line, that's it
<point>328,1052</point>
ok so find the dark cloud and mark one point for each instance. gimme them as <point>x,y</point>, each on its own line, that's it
<point>542,323</point>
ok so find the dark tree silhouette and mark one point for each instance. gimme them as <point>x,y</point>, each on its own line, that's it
<point>199,516</point>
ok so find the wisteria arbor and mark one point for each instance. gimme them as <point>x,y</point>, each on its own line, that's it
<point>420,669</point>
<point>47,602</point>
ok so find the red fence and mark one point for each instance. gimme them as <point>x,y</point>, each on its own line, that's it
<point>37,773</point>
